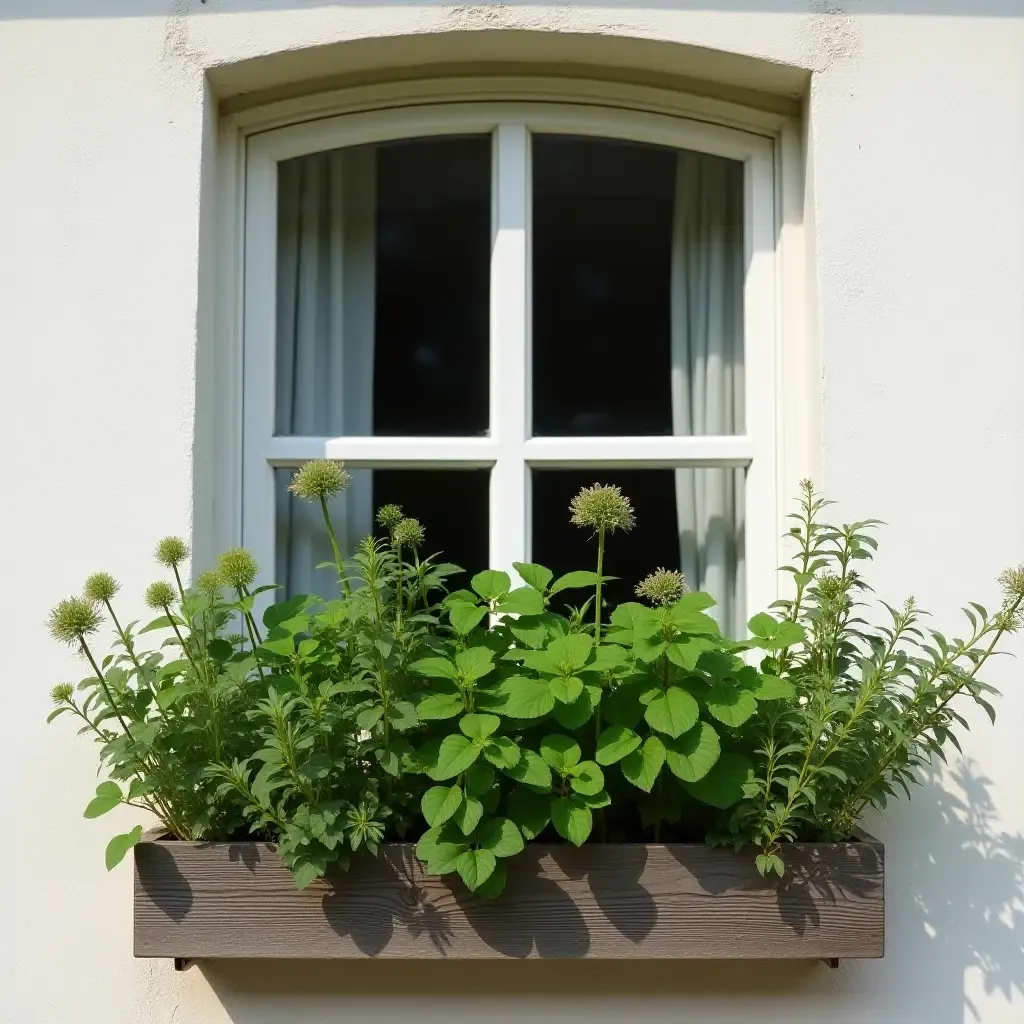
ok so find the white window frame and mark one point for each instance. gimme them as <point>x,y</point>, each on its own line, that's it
<point>252,144</point>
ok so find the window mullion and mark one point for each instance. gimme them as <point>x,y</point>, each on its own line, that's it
<point>508,351</point>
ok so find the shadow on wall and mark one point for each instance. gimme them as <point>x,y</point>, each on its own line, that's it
<point>24,9</point>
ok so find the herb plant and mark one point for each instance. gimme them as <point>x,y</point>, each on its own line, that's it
<point>472,721</point>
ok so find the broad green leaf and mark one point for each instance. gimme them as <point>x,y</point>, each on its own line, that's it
<point>574,581</point>
<point>502,752</point>
<point>501,837</point>
<point>531,770</point>
<point>615,743</point>
<point>729,703</point>
<point>475,867</point>
<point>587,778</point>
<point>491,584</point>
<point>672,712</point>
<point>572,716</point>
<point>455,755</point>
<point>474,663</point>
<point>693,755</point>
<point>479,727</point>
<point>494,886</point>
<point>537,576</point>
<point>572,818</point>
<point>649,648</point>
<point>687,621</point>
<point>561,752</point>
<point>607,658</point>
<point>457,596</point>
<point>643,765</point>
<point>444,857</point>
<point>108,796</point>
<point>306,871</point>
<point>696,601</point>
<point>283,646</point>
<point>763,625</point>
<point>622,705</point>
<point>772,688</point>
<point>439,803</point>
<point>566,688</point>
<point>529,810</point>
<point>468,814</point>
<point>369,717</point>
<point>571,652</point>
<point>479,778</point>
<point>536,630</point>
<point>435,668</point>
<point>637,618</point>
<point>723,785</point>
<point>465,617</point>
<point>773,634</point>
<point>120,845</point>
<point>596,800</point>
<point>437,706</point>
<point>526,697</point>
<point>540,661</point>
<point>686,655</point>
<point>523,601</point>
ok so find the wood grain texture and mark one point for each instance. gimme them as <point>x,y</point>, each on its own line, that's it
<point>599,902</point>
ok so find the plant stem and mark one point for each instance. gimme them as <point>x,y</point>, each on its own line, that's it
<point>597,593</point>
<point>177,579</point>
<point>339,564</point>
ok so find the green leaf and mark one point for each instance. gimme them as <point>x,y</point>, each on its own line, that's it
<point>572,818</point>
<point>526,697</point>
<point>501,837</point>
<point>615,743</point>
<point>688,621</point>
<point>622,705</point>
<point>607,658</point>
<point>537,630</point>
<point>672,712</point>
<point>502,752</point>
<point>494,886</point>
<point>468,815</point>
<point>531,770</point>
<point>444,857</point>
<point>566,688</point>
<point>434,668</point>
<point>369,717</point>
<point>730,704</point>
<point>283,646</point>
<point>723,785</point>
<point>571,652</point>
<point>643,765</point>
<point>587,778</point>
<point>537,576</point>
<point>561,752</point>
<point>120,845</point>
<point>491,584</point>
<point>475,663</point>
<point>479,779</point>
<point>465,617</point>
<point>522,601</point>
<point>686,654</point>
<point>305,872</point>
<point>595,800</point>
<point>455,755</point>
<point>772,688</point>
<point>574,581</point>
<point>696,601</point>
<point>437,706</point>
<point>693,755</point>
<point>479,727</point>
<point>529,810</point>
<point>439,803</point>
<point>572,716</point>
<point>475,867</point>
<point>775,635</point>
<point>108,796</point>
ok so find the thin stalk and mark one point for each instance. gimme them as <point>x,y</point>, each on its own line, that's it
<point>339,564</point>
<point>398,591</point>
<point>250,628</point>
<point>177,579</point>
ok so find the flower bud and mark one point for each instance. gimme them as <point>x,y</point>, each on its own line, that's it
<point>171,552</point>
<point>602,507</point>
<point>160,595</point>
<point>73,619</point>
<point>319,478</point>
<point>101,586</point>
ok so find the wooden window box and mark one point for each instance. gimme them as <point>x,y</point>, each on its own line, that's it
<point>199,900</point>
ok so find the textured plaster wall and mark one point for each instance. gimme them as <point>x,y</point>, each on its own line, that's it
<point>917,116</point>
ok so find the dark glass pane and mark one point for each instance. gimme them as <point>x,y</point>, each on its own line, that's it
<point>451,504</point>
<point>383,289</point>
<point>638,276</point>
<point>689,519</point>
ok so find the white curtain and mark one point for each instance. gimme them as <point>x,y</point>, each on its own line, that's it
<point>707,372</point>
<point>325,333</point>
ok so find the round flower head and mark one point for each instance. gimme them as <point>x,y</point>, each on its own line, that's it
<point>1011,581</point>
<point>209,584</point>
<point>663,586</point>
<point>409,533</point>
<point>160,594</point>
<point>237,568</point>
<point>389,516</point>
<point>73,619</point>
<point>602,507</point>
<point>171,551</point>
<point>319,478</point>
<point>101,586</point>
<point>62,693</point>
<point>830,586</point>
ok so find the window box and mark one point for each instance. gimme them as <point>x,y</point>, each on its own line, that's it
<point>601,901</point>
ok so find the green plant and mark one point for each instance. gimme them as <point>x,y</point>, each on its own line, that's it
<point>474,721</point>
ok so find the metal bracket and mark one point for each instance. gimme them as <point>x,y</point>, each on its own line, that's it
<point>831,962</point>
<point>182,963</point>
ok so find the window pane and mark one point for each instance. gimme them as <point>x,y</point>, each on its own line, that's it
<point>383,289</point>
<point>637,289</point>
<point>685,518</point>
<point>429,495</point>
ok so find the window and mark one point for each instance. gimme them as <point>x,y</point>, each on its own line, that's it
<point>481,309</point>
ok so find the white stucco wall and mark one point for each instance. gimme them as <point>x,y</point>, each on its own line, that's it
<point>917,110</point>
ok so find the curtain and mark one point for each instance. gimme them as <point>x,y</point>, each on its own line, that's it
<point>325,333</point>
<point>707,372</point>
